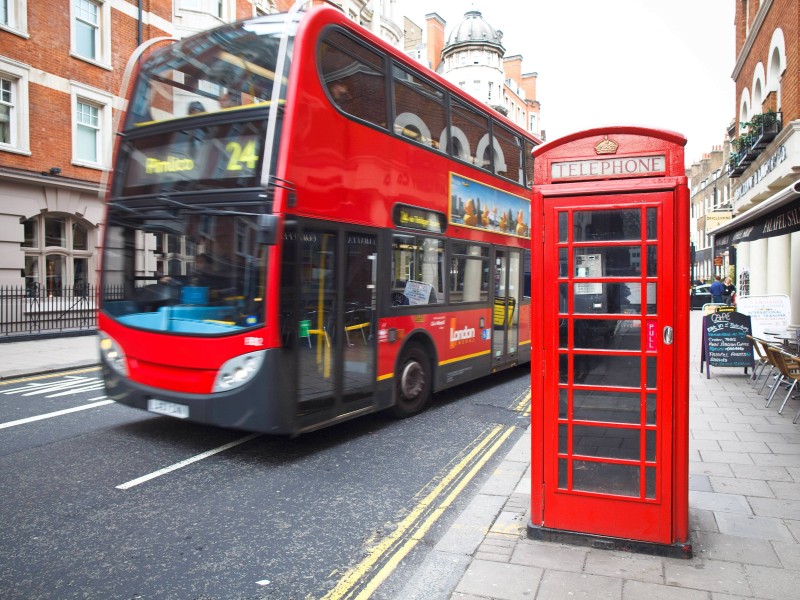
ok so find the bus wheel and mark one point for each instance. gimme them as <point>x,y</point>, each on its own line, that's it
<point>413,382</point>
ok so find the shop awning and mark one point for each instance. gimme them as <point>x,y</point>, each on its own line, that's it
<point>778,215</point>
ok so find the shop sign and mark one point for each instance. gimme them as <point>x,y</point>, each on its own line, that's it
<point>771,163</point>
<point>716,219</point>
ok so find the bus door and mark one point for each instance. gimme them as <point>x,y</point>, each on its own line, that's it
<point>505,314</point>
<point>608,276</point>
<point>334,318</point>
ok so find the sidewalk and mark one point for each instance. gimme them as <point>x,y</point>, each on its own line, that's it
<point>51,354</point>
<point>744,504</point>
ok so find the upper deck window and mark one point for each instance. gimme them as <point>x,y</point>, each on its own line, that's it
<point>228,68</point>
<point>354,77</point>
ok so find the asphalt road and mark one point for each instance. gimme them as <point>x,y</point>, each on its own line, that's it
<point>99,500</point>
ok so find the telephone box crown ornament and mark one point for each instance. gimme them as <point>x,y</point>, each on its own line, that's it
<point>606,146</point>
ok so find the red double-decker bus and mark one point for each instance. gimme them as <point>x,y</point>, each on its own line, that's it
<point>305,226</point>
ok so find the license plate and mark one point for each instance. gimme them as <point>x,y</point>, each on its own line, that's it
<point>171,409</point>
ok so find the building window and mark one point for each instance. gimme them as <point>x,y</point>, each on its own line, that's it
<point>14,16</point>
<point>14,112</point>
<point>91,127</point>
<point>87,27</point>
<point>6,109</point>
<point>91,35</point>
<point>88,132</point>
<point>57,253</point>
<point>219,8</point>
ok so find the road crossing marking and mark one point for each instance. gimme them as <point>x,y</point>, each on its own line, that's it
<point>63,387</point>
<point>57,413</point>
<point>183,463</point>
<point>22,379</point>
<point>411,530</point>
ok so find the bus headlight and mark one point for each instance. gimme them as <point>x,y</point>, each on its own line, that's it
<point>238,371</point>
<point>113,354</point>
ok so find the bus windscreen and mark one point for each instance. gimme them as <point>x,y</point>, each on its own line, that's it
<point>233,67</point>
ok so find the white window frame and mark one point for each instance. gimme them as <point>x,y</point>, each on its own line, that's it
<point>210,7</point>
<point>19,75</point>
<point>103,47</point>
<point>40,251</point>
<point>17,18</point>
<point>102,101</point>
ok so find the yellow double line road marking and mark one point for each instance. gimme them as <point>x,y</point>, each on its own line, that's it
<point>523,402</point>
<point>360,582</point>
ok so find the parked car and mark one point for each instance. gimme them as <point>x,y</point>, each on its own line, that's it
<point>701,294</point>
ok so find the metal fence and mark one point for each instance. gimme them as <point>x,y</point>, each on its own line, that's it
<point>35,311</point>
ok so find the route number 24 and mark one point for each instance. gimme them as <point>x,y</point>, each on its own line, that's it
<point>241,155</point>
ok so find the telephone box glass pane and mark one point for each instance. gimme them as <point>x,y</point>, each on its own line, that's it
<point>652,364</point>
<point>563,225</point>
<point>652,261</point>
<point>562,262</point>
<point>617,371</point>
<point>606,406</point>
<point>652,223</point>
<point>607,225</point>
<point>607,261</point>
<point>609,298</point>
<point>608,334</point>
<point>650,445</point>
<point>651,409</point>
<point>563,438</point>
<point>606,442</point>
<point>563,472</point>
<point>605,478</point>
<point>650,482</point>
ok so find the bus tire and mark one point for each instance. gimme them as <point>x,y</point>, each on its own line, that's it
<point>413,382</point>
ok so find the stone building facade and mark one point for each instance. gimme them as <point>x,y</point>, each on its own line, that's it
<point>473,57</point>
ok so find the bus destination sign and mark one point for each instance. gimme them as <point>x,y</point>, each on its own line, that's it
<point>187,159</point>
<point>412,217</point>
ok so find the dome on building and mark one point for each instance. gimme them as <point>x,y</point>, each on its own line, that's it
<point>472,30</point>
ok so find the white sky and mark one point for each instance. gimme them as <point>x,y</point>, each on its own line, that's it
<point>665,65</point>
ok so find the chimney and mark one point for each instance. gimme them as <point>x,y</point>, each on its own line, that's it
<point>434,39</point>
<point>512,68</point>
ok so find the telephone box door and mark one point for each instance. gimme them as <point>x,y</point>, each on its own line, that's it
<point>608,318</point>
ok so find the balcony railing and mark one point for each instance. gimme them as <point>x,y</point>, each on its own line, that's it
<point>761,130</point>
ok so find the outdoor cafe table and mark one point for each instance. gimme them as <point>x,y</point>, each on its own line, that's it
<point>788,338</point>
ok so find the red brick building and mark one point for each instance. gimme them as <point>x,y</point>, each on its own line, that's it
<point>60,74</point>
<point>763,239</point>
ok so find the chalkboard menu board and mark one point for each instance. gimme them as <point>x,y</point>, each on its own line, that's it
<point>725,342</point>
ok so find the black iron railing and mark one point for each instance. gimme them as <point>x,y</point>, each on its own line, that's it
<point>35,311</point>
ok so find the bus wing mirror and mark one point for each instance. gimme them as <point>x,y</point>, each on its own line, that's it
<point>267,229</point>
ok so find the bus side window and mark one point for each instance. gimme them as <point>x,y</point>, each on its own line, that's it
<point>354,78</point>
<point>414,96</point>
<point>475,127</point>
<point>510,146</point>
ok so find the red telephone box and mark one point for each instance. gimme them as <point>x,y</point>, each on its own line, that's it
<point>610,343</point>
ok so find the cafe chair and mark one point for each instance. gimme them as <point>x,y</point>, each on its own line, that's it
<point>784,376</point>
<point>765,348</point>
<point>790,372</point>
<point>761,361</point>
